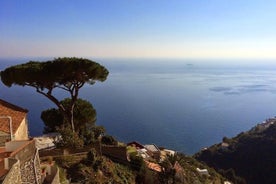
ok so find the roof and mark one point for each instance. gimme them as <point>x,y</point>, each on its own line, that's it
<point>136,144</point>
<point>16,113</point>
<point>152,148</point>
<point>153,166</point>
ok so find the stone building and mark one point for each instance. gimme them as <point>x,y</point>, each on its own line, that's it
<point>19,163</point>
<point>13,122</point>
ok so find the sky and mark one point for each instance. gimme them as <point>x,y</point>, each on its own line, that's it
<point>228,29</point>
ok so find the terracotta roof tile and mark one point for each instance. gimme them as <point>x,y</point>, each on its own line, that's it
<point>16,113</point>
<point>153,166</point>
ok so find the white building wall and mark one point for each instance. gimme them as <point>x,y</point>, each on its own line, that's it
<point>22,131</point>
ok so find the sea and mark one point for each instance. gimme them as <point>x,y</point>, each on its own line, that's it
<point>180,104</point>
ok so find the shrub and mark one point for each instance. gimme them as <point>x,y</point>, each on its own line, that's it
<point>136,162</point>
<point>91,157</point>
<point>69,139</point>
<point>109,140</point>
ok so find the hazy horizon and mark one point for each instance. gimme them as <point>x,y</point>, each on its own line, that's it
<point>153,62</point>
<point>139,29</point>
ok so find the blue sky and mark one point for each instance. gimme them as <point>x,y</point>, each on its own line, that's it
<point>138,28</point>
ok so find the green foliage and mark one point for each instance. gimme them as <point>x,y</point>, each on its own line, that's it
<point>56,73</point>
<point>84,116</point>
<point>97,164</point>
<point>147,176</point>
<point>97,131</point>
<point>68,74</point>
<point>91,157</point>
<point>62,175</point>
<point>109,140</point>
<point>102,170</point>
<point>136,162</point>
<point>231,175</point>
<point>99,169</point>
<point>69,139</point>
<point>143,173</point>
<point>53,120</point>
<point>84,120</point>
<point>226,140</point>
<point>84,113</point>
<point>93,160</point>
<point>64,161</point>
<point>167,175</point>
<point>131,150</point>
<point>188,173</point>
<point>251,158</point>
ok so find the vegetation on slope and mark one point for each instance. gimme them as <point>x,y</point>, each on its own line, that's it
<point>250,155</point>
<point>93,168</point>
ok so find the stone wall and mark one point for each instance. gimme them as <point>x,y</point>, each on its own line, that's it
<point>37,167</point>
<point>25,151</point>
<point>13,175</point>
<point>27,172</point>
<point>116,153</point>
<point>27,167</point>
<point>52,176</point>
<point>29,164</point>
<point>23,172</point>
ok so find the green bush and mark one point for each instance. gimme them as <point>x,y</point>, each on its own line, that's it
<point>136,162</point>
<point>91,157</point>
<point>69,139</point>
<point>109,140</point>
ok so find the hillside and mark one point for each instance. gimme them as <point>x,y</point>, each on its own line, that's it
<point>94,168</point>
<point>250,155</point>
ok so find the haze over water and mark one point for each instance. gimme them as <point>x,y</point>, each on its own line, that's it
<point>182,105</point>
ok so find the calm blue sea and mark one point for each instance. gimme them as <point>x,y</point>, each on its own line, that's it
<point>182,105</point>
